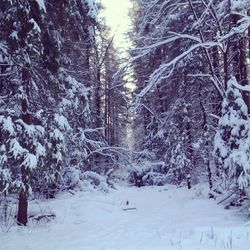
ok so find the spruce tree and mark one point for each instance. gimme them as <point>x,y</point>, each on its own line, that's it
<point>231,136</point>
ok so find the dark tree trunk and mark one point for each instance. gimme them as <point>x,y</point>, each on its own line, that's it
<point>189,181</point>
<point>243,69</point>
<point>216,61</point>
<point>22,213</point>
<point>239,58</point>
<point>226,73</point>
<point>210,181</point>
<point>106,113</point>
<point>248,38</point>
<point>235,49</point>
<point>216,65</point>
<point>98,99</point>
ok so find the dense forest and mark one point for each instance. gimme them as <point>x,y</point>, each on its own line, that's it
<point>69,119</point>
<point>60,110</point>
<point>191,65</point>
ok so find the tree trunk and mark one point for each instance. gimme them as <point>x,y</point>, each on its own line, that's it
<point>106,109</point>
<point>22,213</point>
<point>243,69</point>
<point>225,65</point>
<point>98,99</point>
<point>205,131</point>
<point>239,57</point>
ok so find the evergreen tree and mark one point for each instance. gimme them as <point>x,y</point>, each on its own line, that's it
<point>231,158</point>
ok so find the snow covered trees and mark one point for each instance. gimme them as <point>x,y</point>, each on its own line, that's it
<point>232,140</point>
<point>64,115</point>
<point>22,36</point>
<point>186,51</point>
<point>47,87</point>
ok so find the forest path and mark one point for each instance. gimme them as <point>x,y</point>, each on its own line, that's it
<point>160,218</point>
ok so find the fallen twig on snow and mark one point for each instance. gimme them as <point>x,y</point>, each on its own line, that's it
<point>225,199</point>
<point>129,208</point>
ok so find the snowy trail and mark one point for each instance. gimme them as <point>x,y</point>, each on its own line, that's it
<point>173,219</point>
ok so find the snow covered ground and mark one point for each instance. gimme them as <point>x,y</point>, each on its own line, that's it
<point>149,218</point>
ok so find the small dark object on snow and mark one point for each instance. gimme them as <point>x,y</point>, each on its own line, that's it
<point>217,191</point>
<point>211,196</point>
<point>189,181</point>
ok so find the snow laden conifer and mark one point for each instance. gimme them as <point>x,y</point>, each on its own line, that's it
<point>231,140</point>
<point>179,141</point>
<point>21,23</point>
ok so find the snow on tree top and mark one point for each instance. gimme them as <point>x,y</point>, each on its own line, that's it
<point>93,10</point>
<point>3,50</point>
<point>30,161</point>
<point>40,150</point>
<point>16,149</point>
<point>36,26</point>
<point>57,134</point>
<point>41,5</point>
<point>14,35</point>
<point>62,122</point>
<point>7,124</point>
<point>240,4</point>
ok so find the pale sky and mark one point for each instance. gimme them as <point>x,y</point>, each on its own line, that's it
<point>116,14</point>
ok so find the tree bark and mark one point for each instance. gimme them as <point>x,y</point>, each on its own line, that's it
<point>22,213</point>
<point>98,99</point>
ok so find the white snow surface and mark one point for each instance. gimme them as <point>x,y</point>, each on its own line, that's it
<point>164,218</point>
